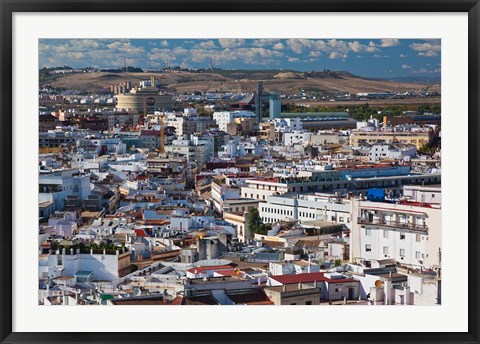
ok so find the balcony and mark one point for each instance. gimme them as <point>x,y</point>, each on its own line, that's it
<point>396,225</point>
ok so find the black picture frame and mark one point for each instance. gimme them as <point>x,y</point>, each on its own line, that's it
<point>9,7</point>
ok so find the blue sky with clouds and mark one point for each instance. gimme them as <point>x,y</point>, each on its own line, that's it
<point>384,58</point>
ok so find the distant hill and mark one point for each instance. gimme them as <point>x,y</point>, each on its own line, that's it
<point>283,81</point>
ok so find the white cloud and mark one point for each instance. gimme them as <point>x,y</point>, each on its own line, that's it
<point>208,45</point>
<point>429,49</point>
<point>389,42</point>
<point>405,66</point>
<point>336,49</point>
<point>126,47</point>
<point>164,43</point>
<point>293,59</point>
<point>315,53</point>
<point>298,45</point>
<point>251,55</point>
<point>403,56</point>
<point>428,53</point>
<point>264,42</point>
<point>231,42</point>
<point>278,46</point>
<point>165,56</point>
<point>372,48</point>
<point>336,55</point>
<point>355,46</point>
<point>423,70</point>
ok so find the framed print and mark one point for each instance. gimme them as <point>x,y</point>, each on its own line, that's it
<point>268,171</point>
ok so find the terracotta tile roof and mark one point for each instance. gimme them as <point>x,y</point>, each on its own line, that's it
<point>200,300</point>
<point>248,297</point>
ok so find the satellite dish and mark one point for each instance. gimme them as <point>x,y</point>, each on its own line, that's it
<point>378,283</point>
<point>137,291</point>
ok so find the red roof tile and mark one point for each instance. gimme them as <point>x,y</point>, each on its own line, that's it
<point>300,278</point>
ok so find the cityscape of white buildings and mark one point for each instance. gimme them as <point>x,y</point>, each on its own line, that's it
<point>212,207</point>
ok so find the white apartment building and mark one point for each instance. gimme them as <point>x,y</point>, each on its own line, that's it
<point>225,117</point>
<point>431,194</point>
<point>383,152</point>
<point>324,137</point>
<point>336,180</point>
<point>55,187</point>
<point>100,266</point>
<point>187,125</point>
<point>186,148</point>
<point>288,124</point>
<point>296,137</point>
<point>221,192</point>
<point>235,148</point>
<point>301,208</point>
<point>409,233</point>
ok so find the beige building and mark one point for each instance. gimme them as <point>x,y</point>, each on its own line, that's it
<point>243,126</point>
<point>267,131</point>
<point>235,212</point>
<point>388,137</point>
<point>294,294</point>
<point>191,153</point>
<point>145,97</point>
<point>189,125</point>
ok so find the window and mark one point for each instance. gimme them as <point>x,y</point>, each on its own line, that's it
<point>385,250</point>
<point>340,219</point>
<point>402,252</point>
<point>418,237</point>
<point>336,290</point>
<point>292,304</point>
<point>368,232</point>
<point>385,233</point>
<point>368,248</point>
<point>308,302</point>
<point>418,255</point>
<point>402,236</point>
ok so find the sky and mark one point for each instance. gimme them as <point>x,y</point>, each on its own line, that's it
<point>376,58</point>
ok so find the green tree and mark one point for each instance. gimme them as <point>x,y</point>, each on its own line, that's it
<point>255,223</point>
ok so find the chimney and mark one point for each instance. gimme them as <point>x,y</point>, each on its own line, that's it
<point>152,80</point>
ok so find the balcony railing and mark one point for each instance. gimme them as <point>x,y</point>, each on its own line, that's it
<point>393,224</point>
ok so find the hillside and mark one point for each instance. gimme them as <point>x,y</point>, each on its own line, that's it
<point>286,82</point>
